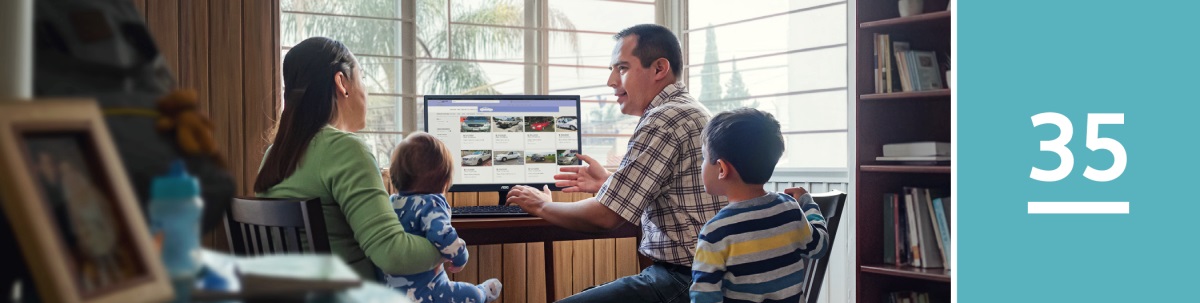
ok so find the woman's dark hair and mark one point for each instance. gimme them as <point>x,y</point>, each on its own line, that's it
<point>747,138</point>
<point>655,41</point>
<point>308,104</point>
<point>421,164</point>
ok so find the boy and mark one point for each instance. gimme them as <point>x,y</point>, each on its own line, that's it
<point>755,248</point>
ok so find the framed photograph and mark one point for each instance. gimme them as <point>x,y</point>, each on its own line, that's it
<point>72,208</point>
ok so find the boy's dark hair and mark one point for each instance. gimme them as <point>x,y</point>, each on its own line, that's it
<point>421,164</point>
<point>655,41</point>
<point>747,138</point>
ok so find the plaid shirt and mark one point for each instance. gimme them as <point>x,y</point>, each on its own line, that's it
<point>658,184</point>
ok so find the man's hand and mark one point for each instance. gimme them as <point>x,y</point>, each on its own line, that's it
<point>586,178</point>
<point>528,198</point>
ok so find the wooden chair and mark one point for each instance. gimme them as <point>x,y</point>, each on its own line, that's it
<point>263,226</point>
<point>831,203</point>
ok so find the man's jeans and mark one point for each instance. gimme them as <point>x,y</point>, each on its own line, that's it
<point>656,283</point>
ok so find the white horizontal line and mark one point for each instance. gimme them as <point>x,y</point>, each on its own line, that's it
<point>1078,207</point>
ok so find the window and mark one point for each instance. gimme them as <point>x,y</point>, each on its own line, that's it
<point>476,47</point>
<point>787,57</point>
<point>734,58</point>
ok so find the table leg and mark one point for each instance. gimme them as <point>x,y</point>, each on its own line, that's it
<point>549,258</point>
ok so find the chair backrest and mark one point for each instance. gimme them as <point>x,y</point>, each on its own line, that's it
<point>831,204</point>
<point>263,226</point>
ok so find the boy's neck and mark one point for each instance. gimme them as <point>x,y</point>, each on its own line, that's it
<point>743,192</point>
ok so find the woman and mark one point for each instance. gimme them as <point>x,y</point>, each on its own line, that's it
<point>314,154</point>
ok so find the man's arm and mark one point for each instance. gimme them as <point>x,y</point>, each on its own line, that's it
<point>587,215</point>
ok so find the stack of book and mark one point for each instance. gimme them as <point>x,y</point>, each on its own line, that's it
<point>925,153</point>
<point>916,228</point>
<point>909,71</point>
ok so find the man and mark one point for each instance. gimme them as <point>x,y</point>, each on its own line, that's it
<point>658,184</point>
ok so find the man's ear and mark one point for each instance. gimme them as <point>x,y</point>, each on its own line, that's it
<point>662,68</point>
<point>339,81</point>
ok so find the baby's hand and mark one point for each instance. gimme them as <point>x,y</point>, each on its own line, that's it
<point>451,268</point>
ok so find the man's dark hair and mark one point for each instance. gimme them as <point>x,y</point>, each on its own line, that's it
<point>655,41</point>
<point>747,138</point>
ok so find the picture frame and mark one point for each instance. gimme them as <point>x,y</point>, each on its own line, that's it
<point>71,207</point>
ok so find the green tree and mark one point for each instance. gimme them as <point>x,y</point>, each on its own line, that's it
<point>735,90</point>
<point>710,72</point>
<point>710,80</point>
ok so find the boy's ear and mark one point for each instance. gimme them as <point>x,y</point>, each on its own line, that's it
<point>725,170</point>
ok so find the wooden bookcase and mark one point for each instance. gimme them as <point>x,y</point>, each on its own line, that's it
<point>884,118</point>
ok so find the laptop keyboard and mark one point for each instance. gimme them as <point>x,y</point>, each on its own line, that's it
<point>488,210</point>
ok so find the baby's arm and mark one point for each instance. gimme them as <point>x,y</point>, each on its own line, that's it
<point>439,231</point>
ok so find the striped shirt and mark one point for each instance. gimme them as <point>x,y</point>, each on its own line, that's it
<point>755,250</point>
<point>658,184</point>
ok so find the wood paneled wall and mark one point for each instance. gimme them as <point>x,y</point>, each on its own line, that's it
<point>577,264</point>
<point>229,52</point>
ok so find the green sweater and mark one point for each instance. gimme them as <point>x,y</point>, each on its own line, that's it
<point>363,228</point>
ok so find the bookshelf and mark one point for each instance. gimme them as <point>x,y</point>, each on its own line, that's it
<point>896,117</point>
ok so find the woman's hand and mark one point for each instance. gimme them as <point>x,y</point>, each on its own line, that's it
<point>528,198</point>
<point>586,178</point>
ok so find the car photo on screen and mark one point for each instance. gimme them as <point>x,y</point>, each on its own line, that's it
<point>476,158</point>
<point>539,124</point>
<point>567,123</point>
<point>568,157</point>
<point>508,158</point>
<point>540,157</point>
<point>476,124</point>
<point>506,124</point>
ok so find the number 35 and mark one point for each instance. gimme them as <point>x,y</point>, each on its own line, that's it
<point>1094,142</point>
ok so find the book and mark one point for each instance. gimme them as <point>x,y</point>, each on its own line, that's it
<point>940,211</point>
<point>929,75</point>
<point>278,274</point>
<point>889,229</point>
<point>927,160</point>
<point>903,257</point>
<point>914,246</point>
<point>910,60</point>
<point>878,65</point>
<point>910,149</point>
<point>932,230</point>
<point>926,249</point>
<point>898,49</point>
<point>887,62</point>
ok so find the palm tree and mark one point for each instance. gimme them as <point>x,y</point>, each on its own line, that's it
<point>367,36</point>
<point>470,42</point>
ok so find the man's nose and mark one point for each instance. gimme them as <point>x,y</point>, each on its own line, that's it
<point>613,80</point>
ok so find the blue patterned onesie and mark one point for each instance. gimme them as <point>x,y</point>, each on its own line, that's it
<point>429,215</point>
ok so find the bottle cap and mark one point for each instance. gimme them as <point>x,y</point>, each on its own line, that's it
<point>177,183</point>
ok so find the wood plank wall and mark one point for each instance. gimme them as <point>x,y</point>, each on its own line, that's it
<point>228,51</point>
<point>577,264</point>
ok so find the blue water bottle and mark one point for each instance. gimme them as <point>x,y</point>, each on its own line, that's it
<point>175,209</point>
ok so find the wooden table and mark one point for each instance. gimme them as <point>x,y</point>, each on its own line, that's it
<point>487,231</point>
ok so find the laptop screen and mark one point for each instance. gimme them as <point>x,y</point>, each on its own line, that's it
<point>506,140</point>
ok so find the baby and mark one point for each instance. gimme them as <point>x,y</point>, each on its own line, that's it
<point>421,172</point>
